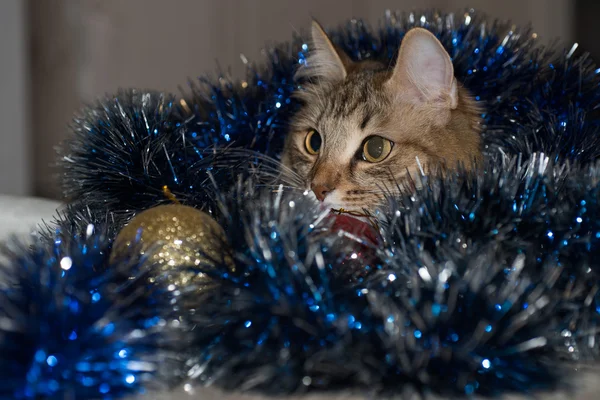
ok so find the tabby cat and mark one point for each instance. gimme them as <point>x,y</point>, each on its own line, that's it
<point>364,127</point>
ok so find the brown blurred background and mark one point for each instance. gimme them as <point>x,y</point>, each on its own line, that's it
<point>55,55</point>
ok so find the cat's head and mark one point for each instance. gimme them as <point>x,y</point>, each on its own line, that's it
<point>363,127</point>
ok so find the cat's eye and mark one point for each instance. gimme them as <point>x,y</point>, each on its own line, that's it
<point>376,149</point>
<point>313,142</point>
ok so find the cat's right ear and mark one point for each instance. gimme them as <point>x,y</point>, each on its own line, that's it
<point>424,71</point>
<point>325,62</point>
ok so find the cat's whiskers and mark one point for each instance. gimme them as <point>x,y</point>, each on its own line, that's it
<point>264,166</point>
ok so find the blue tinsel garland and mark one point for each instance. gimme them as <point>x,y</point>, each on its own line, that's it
<point>481,285</point>
<point>74,326</point>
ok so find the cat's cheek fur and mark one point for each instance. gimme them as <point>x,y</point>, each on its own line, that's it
<point>443,115</point>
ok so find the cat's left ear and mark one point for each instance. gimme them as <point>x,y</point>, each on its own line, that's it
<point>424,71</point>
<point>325,62</point>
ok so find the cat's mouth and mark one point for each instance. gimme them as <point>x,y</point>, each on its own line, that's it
<point>361,216</point>
<point>360,225</point>
<point>338,208</point>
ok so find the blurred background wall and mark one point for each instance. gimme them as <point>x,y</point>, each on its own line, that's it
<point>56,55</point>
<point>16,151</point>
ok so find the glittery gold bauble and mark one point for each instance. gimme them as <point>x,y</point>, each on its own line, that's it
<point>172,237</point>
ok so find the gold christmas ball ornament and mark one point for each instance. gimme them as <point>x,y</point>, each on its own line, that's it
<point>172,237</point>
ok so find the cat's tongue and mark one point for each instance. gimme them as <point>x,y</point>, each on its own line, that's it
<point>354,226</point>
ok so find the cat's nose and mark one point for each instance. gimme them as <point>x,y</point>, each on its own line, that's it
<point>321,190</point>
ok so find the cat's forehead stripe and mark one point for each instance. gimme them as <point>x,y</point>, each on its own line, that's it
<point>354,94</point>
<point>366,118</point>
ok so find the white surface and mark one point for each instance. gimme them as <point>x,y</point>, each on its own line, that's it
<point>585,386</point>
<point>21,216</point>
<point>15,152</point>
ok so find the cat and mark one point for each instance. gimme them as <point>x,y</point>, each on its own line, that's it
<point>364,127</point>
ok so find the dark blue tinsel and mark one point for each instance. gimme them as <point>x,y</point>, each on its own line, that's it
<point>481,285</point>
<point>74,326</point>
